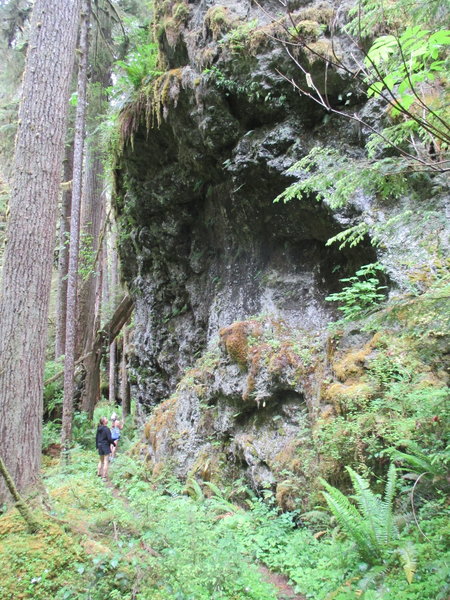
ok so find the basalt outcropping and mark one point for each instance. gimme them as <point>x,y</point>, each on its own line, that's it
<point>231,353</point>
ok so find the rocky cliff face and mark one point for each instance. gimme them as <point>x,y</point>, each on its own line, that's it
<point>230,287</point>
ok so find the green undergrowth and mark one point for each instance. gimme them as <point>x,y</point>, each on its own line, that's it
<point>146,540</point>
<point>142,544</point>
<point>323,564</point>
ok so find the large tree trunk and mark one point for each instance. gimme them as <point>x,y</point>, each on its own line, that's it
<point>72,280</point>
<point>31,236</point>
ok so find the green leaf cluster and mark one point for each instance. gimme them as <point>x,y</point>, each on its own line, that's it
<point>138,68</point>
<point>410,71</point>
<point>363,293</point>
<point>337,178</point>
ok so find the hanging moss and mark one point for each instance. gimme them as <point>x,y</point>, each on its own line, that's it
<point>218,21</point>
<point>180,12</point>
<point>151,105</point>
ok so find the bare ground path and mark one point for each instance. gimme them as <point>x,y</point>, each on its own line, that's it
<point>284,590</point>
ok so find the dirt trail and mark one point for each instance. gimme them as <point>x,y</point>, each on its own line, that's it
<point>284,590</point>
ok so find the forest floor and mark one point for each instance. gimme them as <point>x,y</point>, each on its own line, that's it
<point>122,539</point>
<point>134,538</point>
<point>280,583</point>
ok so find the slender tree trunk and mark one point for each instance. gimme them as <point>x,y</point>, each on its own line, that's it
<point>112,373</point>
<point>89,306</point>
<point>124,383</point>
<point>69,362</point>
<point>113,297</point>
<point>29,250</point>
<point>63,257</point>
<point>92,221</point>
<point>106,274</point>
<point>91,392</point>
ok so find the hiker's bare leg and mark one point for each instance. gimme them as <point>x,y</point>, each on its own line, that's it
<point>105,466</point>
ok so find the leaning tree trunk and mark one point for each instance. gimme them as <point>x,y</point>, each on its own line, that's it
<point>33,524</point>
<point>28,255</point>
<point>72,281</point>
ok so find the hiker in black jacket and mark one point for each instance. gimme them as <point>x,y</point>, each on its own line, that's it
<point>103,441</point>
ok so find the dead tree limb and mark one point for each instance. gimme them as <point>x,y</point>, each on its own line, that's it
<point>107,334</point>
<point>32,524</point>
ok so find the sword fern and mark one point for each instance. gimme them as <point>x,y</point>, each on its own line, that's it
<point>371,523</point>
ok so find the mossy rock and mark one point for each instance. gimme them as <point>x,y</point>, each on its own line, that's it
<point>234,339</point>
<point>353,363</point>
<point>307,30</point>
<point>320,13</point>
<point>161,422</point>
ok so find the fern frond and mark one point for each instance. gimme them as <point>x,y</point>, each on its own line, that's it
<point>371,577</point>
<point>215,490</point>
<point>218,500</point>
<point>407,554</point>
<point>350,237</point>
<point>418,462</point>
<point>369,505</point>
<point>194,490</point>
<point>352,523</point>
<point>391,531</point>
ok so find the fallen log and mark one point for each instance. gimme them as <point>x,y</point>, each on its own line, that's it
<point>106,335</point>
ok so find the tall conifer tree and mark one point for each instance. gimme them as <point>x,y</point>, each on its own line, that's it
<point>31,235</point>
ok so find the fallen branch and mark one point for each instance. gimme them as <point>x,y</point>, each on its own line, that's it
<point>59,374</point>
<point>108,333</point>
<point>32,524</point>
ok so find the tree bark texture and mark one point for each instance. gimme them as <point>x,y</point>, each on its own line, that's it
<point>113,295</point>
<point>91,390</point>
<point>93,218</point>
<point>72,278</point>
<point>31,235</point>
<point>63,257</point>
